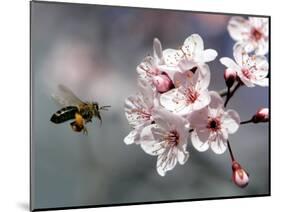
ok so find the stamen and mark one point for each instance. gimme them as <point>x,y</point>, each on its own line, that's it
<point>256,34</point>
<point>214,124</point>
<point>191,95</point>
<point>172,138</point>
<point>142,114</point>
<point>247,73</point>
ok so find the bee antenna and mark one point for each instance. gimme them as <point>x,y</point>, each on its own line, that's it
<point>105,107</point>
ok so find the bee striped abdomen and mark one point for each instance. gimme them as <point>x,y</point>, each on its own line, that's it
<point>65,114</point>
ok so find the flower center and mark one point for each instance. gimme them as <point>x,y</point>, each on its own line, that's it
<point>191,95</point>
<point>256,34</point>
<point>247,73</point>
<point>214,124</point>
<point>172,138</point>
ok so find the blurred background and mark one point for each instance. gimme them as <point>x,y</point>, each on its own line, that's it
<point>94,50</point>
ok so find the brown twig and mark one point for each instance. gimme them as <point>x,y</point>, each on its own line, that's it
<point>231,92</point>
<point>230,151</point>
<point>223,92</point>
<point>246,122</point>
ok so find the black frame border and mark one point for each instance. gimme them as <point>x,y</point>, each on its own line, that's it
<point>149,202</point>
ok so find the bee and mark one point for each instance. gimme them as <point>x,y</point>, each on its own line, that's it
<point>75,109</point>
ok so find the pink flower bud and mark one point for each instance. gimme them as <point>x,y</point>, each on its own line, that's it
<point>239,176</point>
<point>162,83</point>
<point>262,115</point>
<point>230,77</point>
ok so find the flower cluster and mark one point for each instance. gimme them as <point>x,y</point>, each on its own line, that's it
<point>250,64</point>
<point>174,104</point>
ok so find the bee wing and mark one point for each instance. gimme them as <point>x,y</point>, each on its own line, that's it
<point>66,97</point>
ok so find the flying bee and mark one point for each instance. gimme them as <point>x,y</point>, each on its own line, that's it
<point>75,109</point>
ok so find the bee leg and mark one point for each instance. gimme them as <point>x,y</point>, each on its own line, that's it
<point>87,121</point>
<point>85,131</point>
<point>75,127</point>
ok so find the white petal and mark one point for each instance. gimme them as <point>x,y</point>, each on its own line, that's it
<point>265,26</point>
<point>147,135</point>
<point>262,82</point>
<point>249,45</point>
<point>157,51</point>
<point>148,94</point>
<point>216,100</point>
<point>182,155</point>
<point>238,27</point>
<point>146,66</point>
<point>149,143</point>
<point>168,120</point>
<point>130,138</point>
<point>169,70</point>
<point>263,47</point>
<point>200,145</point>
<point>161,118</point>
<point>209,55</point>
<point>204,76</point>
<point>219,145</point>
<point>166,162</point>
<point>137,111</point>
<point>202,101</point>
<point>204,69</point>
<point>152,148</point>
<point>199,119</point>
<point>231,121</point>
<point>185,64</point>
<point>173,100</point>
<point>258,22</point>
<point>224,134</point>
<point>132,103</point>
<point>135,135</point>
<point>194,43</point>
<point>182,78</point>
<point>184,110</point>
<point>238,53</point>
<point>172,56</point>
<point>229,63</point>
<point>261,65</point>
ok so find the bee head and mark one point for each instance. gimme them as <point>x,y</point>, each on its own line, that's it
<point>97,110</point>
<point>95,106</point>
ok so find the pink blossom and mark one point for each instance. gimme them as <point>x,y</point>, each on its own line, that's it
<point>138,111</point>
<point>152,68</point>
<point>262,115</point>
<point>166,139</point>
<point>251,70</point>
<point>190,92</point>
<point>239,176</point>
<point>190,54</point>
<point>229,77</point>
<point>212,124</point>
<point>251,33</point>
<point>162,83</point>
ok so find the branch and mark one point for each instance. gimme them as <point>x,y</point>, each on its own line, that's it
<point>231,93</point>
<point>223,92</point>
<point>230,151</point>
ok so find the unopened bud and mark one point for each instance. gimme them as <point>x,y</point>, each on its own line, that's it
<point>239,176</point>
<point>262,115</point>
<point>162,83</point>
<point>230,77</point>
